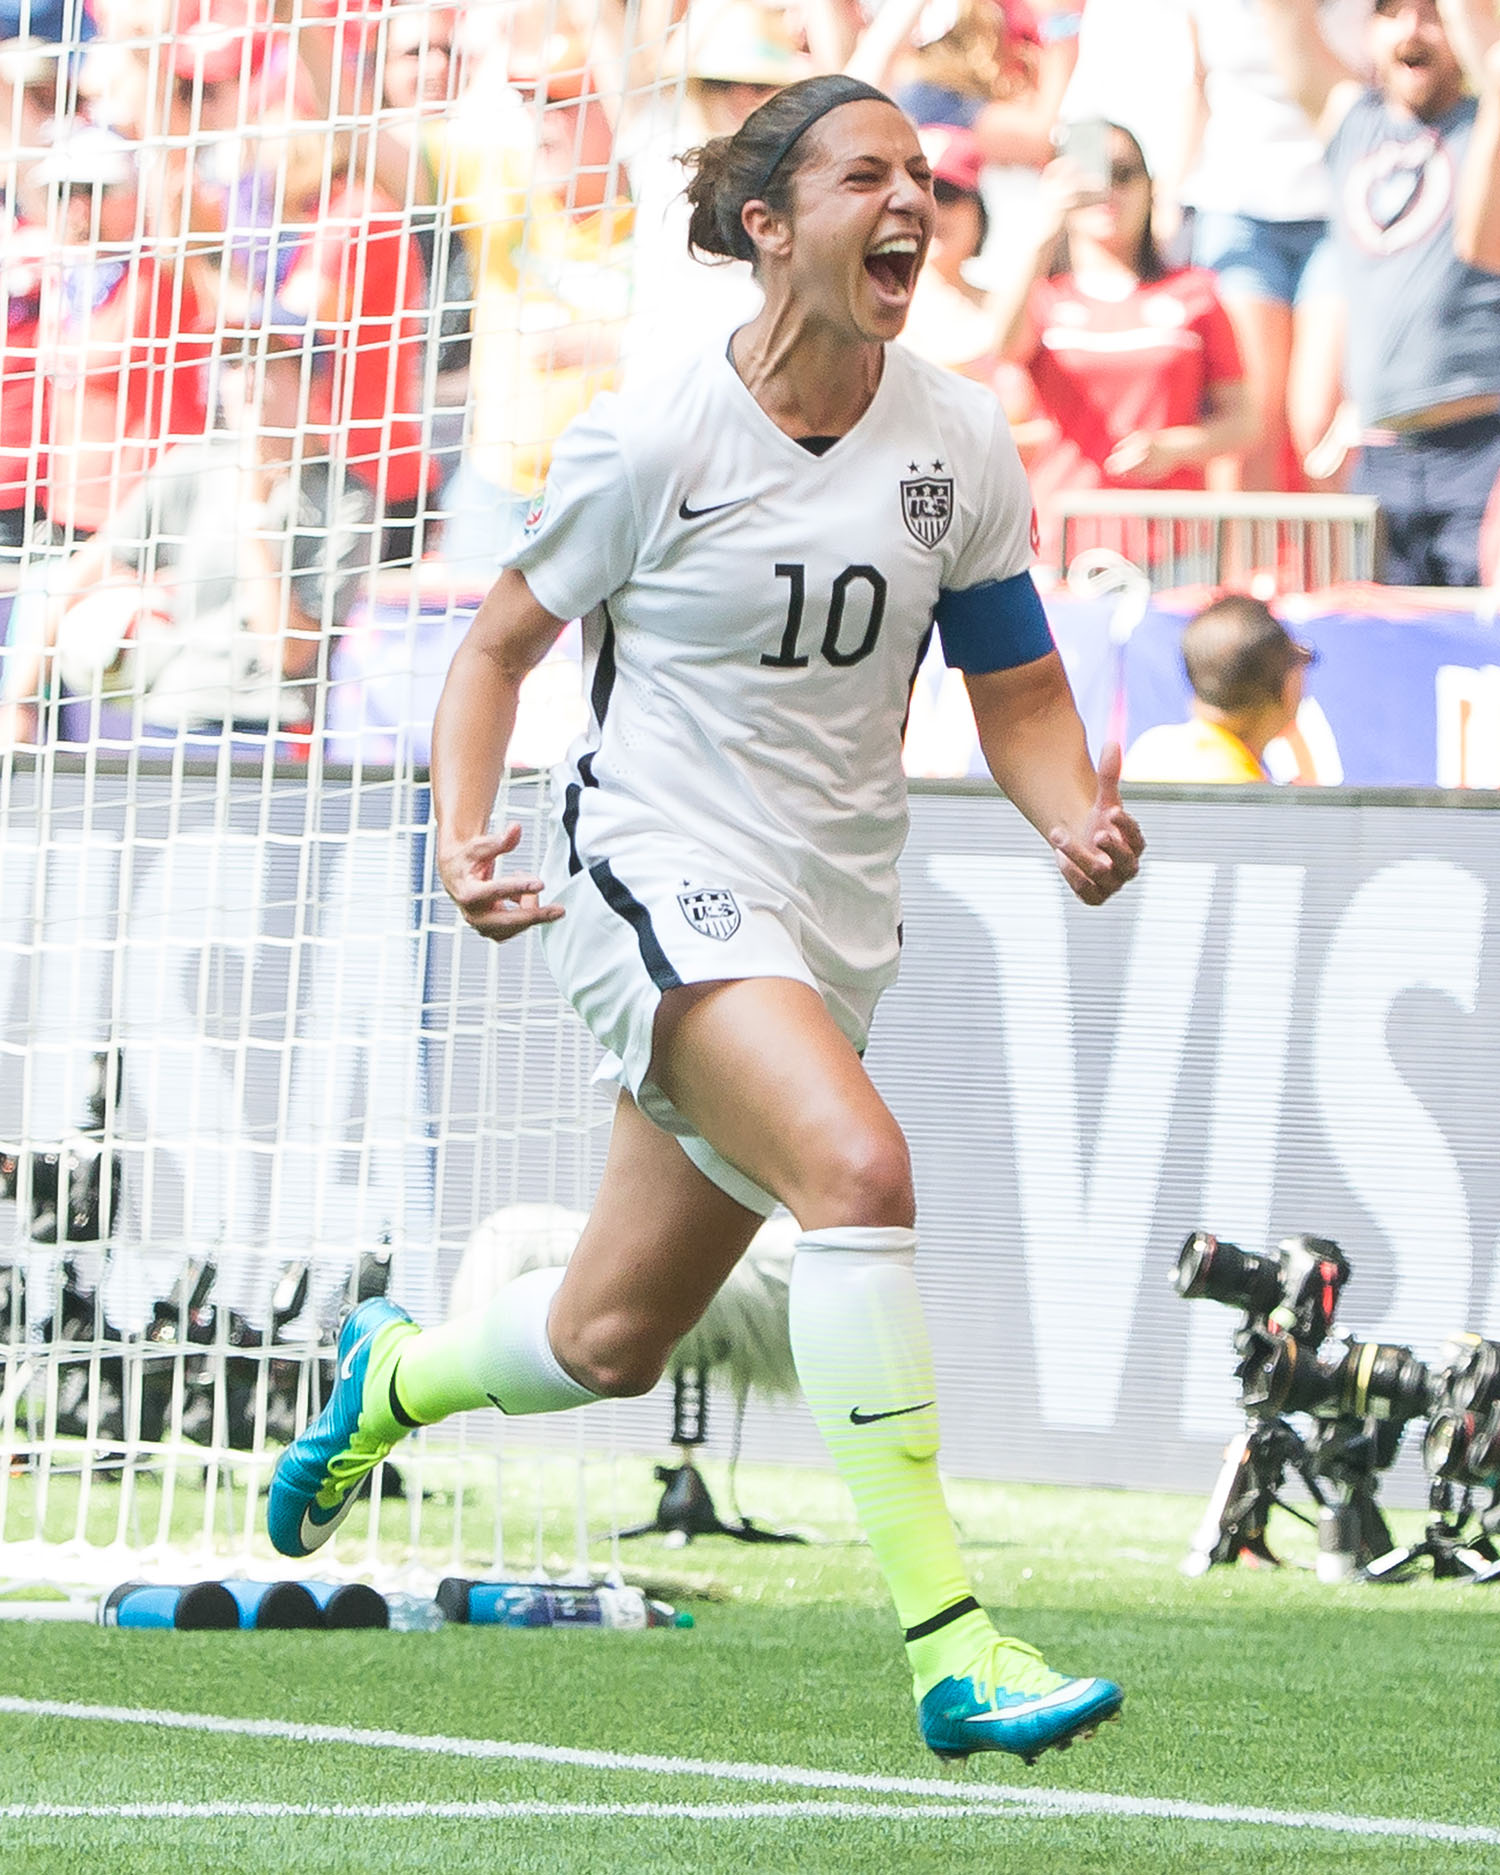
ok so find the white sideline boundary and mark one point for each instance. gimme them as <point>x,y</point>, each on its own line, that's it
<point>979,1797</point>
<point>828,1809</point>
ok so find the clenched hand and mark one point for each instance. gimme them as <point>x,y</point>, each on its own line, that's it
<point>498,906</point>
<point>1106,852</point>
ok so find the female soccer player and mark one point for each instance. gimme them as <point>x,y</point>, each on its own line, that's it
<point>758,548</point>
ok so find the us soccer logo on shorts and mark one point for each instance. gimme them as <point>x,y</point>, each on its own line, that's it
<point>711,911</point>
<point>927,504</point>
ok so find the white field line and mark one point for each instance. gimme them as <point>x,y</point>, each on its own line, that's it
<point>784,1776</point>
<point>499,1812</point>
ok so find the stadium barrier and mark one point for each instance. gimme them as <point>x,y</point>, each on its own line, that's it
<point>312,1072</point>
<point>1298,543</point>
<point>1405,693</point>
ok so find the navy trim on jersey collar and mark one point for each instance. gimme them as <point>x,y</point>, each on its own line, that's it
<point>814,445</point>
<point>893,362</point>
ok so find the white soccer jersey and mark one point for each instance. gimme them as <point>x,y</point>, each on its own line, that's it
<point>754,615</point>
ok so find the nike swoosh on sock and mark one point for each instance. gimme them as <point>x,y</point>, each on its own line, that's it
<point>857,1418</point>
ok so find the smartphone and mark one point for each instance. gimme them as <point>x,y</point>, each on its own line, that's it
<point>1086,145</point>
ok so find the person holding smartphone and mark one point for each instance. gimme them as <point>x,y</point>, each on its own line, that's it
<point>1134,363</point>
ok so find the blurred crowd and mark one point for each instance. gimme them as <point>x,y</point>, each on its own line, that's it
<point>299,293</point>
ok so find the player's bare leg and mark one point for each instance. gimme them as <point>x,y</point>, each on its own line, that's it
<point>660,1241</point>
<point>766,1076</point>
<point>657,1247</point>
<point>658,1244</point>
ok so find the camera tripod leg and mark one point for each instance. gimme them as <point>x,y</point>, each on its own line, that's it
<point>1453,1558</point>
<point>1234,1520</point>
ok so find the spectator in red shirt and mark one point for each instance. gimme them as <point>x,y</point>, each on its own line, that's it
<point>1134,363</point>
<point>358,270</point>
<point>357,274</point>
<point>122,339</point>
<point>22,385</point>
<point>28,105</point>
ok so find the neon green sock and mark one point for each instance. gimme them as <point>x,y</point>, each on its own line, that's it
<point>499,1357</point>
<point>865,1364</point>
<point>377,1418</point>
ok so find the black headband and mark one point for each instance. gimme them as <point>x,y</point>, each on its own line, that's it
<point>833,91</point>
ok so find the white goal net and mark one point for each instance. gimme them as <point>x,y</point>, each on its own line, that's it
<point>298,293</point>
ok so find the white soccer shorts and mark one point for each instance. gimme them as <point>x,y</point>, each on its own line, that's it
<point>654,916</point>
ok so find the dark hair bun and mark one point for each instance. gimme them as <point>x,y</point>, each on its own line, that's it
<point>715,227</point>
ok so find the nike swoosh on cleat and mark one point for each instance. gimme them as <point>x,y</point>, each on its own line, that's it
<point>857,1418</point>
<point>685,513</point>
<point>499,1408</point>
<point>1043,1703</point>
<point>315,1534</point>
<point>346,1366</point>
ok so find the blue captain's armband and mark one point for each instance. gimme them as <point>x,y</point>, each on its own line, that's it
<point>993,627</point>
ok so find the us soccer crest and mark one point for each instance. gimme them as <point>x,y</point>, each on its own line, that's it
<point>711,911</point>
<point>927,505</point>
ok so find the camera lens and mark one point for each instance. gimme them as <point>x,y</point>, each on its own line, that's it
<point>1483,1459</point>
<point>1446,1444</point>
<point>1341,1380</point>
<point>1472,1380</point>
<point>1463,1449</point>
<point>1189,1274</point>
<point>1384,1382</point>
<point>1240,1279</point>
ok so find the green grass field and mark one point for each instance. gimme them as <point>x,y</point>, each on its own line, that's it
<point>1250,1691</point>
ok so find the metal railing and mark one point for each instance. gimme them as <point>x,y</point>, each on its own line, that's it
<point>1185,538</point>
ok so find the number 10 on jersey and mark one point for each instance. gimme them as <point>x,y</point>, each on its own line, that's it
<point>795,573</point>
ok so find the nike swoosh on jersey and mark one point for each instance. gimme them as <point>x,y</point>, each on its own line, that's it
<point>857,1418</point>
<point>685,513</point>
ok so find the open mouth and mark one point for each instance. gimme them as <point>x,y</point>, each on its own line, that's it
<point>892,264</point>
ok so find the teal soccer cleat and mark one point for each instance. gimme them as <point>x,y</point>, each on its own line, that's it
<point>318,1476</point>
<point>1013,1702</point>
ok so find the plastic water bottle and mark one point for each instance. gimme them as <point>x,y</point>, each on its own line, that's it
<point>549,1605</point>
<point>413,1613</point>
